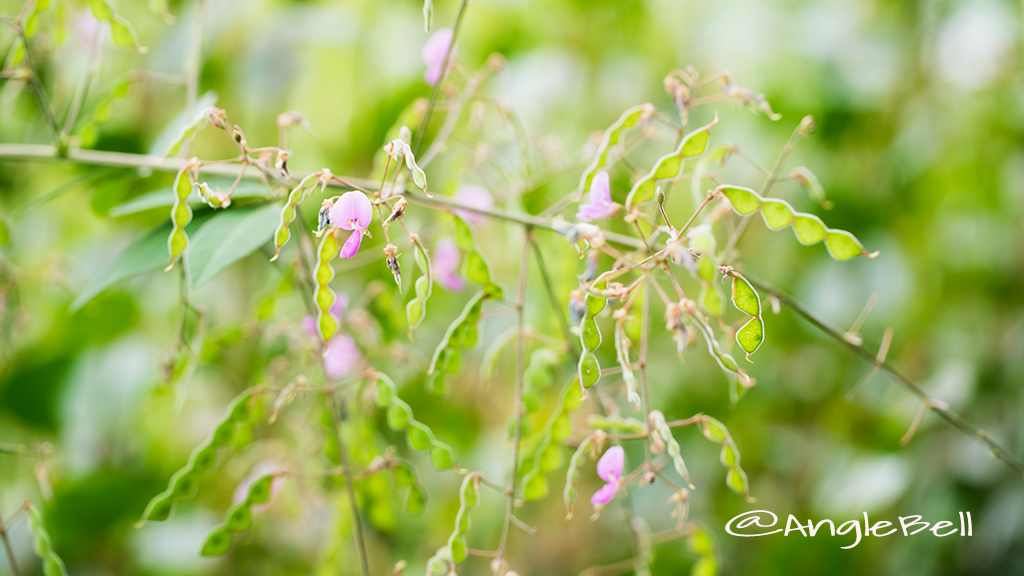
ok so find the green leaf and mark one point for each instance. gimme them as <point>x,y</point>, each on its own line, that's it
<point>146,254</point>
<point>229,236</point>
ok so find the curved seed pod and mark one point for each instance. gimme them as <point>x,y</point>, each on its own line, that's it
<point>416,308</point>
<point>573,474</point>
<point>102,109</point>
<point>588,368</point>
<point>710,299</point>
<point>721,154</point>
<point>461,335</point>
<point>455,551</point>
<point>701,544</point>
<point>52,564</point>
<point>121,30</point>
<point>669,165</point>
<point>548,455</point>
<point>736,479</point>
<point>612,135</point>
<point>808,228</point>
<point>539,374</point>
<point>810,182</point>
<point>324,296</point>
<point>745,299</point>
<point>181,215</point>
<point>493,352</point>
<point>725,360</point>
<point>662,431</point>
<point>622,356</point>
<point>298,194</point>
<point>400,417</point>
<point>239,516</point>
<point>184,483</point>
<point>405,477</point>
<point>189,130</point>
<point>475,265</point>
<point>399,149</point>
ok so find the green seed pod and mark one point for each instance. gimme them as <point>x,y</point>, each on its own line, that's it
<point>52,564</point>
<point>745,299</point>
<point>204,457</point>
<point>260,490</point>
<point>239,518</point>
<point>669,166</point>
<point>419,436</point>
<point>416,309</point>
<point>184,483</point>
<point>441,456</point>
<point>736,478</point>
<point>160,507</point>
<point>612,136</point>
<point>297,195</point>
<point>572,475</point>
<point>217,543</point>
<point>224,433</point>
<point>324,296</point>
<point>808,228</point>
<point>662,430</point>
<point>181,215</point>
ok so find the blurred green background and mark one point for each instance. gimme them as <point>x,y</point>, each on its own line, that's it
<point>919,145</point>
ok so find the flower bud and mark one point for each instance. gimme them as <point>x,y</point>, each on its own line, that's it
<point>391,253</point>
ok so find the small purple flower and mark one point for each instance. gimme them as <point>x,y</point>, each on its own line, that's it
<point>258,471</point>
<point>475,197</point>
<point>601,205</point>
<point>609,469</point>
<point>433,54</point>
<point>341,357</point>
<point>352,211</point>
<point>447,258</point>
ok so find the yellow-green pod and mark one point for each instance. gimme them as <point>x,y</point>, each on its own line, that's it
<point>181,215</point>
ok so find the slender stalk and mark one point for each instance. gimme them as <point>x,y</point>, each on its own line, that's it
<point>8,548</point>
<point>436,91</point>
<point>37,85</point>
<point>938,406</point>
<point>349,488</point>
<point>83,87</point>
<point>517,406</point>
<point>549,287</point>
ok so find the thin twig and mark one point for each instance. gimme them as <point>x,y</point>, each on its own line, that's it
<point>8,548</point>
<point>938,406</point>
<point>418,138</point>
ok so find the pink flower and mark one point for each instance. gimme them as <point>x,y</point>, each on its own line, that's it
<point>475,197</point>
<point>601,205</point>
<point>341,357</point>
<point>609,469</point>
<point>352,211</point>
<point>337,310</point>
<point>447,258</point>
<point>258,471</point>
<point>433,54</point>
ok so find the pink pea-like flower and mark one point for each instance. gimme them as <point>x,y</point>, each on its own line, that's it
<point>476,197</point>
<point>447,258</point>
<point>609,469</point>
<point>601,205</point>
<point>352,211</point>
<point>261,469</point>
<point>342,356</point>
<point>433,54</point>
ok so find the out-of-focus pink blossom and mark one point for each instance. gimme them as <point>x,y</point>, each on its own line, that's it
<point>258,471</point>
<point>342,356</point>
<point>433,54</point>
<point>609,469</point>
<point>601,205</point>
<point>86,28</point>
<point>337,310</point>
<point>352,211</point>
<point>476,197</point>
<point>446,260</point>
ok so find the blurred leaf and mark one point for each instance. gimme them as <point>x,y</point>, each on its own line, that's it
<point>229,236</point>
<point>164,197</point>
<point>146,254</point>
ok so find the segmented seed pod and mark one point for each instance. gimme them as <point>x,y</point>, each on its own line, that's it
<point>324,296</point>
<point>181,215</point>
<point>288,212</point>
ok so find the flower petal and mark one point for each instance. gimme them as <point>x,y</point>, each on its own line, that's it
<point>341,357</point>
<point>436,47</point>
<point>609,467</point>
<point>351,245</point>
<point>352,210</point>
<point>605,494</point>
<point>600,189</point>
<point>477,197</point>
